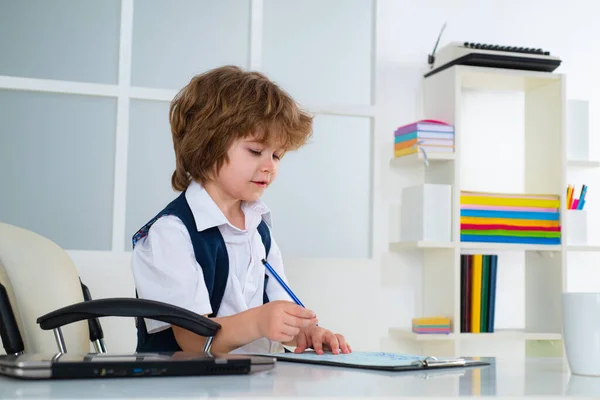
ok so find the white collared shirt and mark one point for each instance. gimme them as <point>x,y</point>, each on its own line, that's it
<point>165,267</point>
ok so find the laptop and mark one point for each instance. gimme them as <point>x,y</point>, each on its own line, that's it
<point>106,365</point>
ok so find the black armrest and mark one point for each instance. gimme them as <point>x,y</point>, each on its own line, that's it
<point>93,323</point>
<point>129,307</point>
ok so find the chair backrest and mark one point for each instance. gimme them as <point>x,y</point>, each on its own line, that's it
<point>11,298</point>
<point>40,277</point>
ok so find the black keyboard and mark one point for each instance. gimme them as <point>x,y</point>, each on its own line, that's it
<point>510,49</point>
<point>492,56</point>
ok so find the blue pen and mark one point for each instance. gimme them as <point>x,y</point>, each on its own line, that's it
<point>282,283</point>
<point>582,197</point>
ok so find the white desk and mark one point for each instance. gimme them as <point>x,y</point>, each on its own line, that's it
<point>531,378</point>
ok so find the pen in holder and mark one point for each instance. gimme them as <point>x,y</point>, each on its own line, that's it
<point>576,231</point>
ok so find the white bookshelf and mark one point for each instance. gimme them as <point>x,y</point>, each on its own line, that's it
<point>545,172</point>
<point>419,159</point>
<point>466,246</point>
<point>498,335</point>
<point>583,164</point>
<point>399,246</point>
<point>588,247</point>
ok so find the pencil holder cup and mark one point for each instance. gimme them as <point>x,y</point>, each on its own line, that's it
<point>576,231</point>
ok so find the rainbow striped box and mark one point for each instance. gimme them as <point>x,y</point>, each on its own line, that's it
<point>510,218</point>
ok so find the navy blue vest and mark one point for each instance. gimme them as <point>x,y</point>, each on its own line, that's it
<point>211,254</point>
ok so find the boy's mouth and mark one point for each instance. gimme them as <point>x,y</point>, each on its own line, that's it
<point>262,184</point>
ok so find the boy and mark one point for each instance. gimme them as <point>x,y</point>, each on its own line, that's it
<point>203,252</point>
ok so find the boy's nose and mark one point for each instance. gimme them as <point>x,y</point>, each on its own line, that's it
<point>268,166</point>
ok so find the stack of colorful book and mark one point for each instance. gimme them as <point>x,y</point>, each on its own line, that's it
<point>510,218</point>
<point>425,135</point>
<point>431,325</point>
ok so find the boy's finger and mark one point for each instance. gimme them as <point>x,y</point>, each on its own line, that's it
<point>301,343</point>
<point>300,312</point>
<point>333,342</point>
<point>344,346</point>
<point>290,330</point>
<point>318,346</point>
<point>299,322</point>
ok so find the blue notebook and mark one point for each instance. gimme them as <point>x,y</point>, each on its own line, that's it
<point>509,239</point>
<point>543,216</point>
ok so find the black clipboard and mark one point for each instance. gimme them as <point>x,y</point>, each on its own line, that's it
<point>353,360</point>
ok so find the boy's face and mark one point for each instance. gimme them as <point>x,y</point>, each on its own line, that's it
<point>251,169</point>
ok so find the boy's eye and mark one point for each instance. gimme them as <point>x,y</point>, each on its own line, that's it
<point>259,152</point>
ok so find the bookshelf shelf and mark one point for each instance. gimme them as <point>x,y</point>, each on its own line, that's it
<point>542,107</point>
<point>405,334</point>
<point>399,246</point>
<point>585,247</point>
<point>495,336</point>
<point>583,164</point>
<point>418,159</point>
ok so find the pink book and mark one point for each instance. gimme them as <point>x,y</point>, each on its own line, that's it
<point>424,125</point>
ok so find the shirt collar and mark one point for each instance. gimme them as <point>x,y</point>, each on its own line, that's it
<point>207,214</point>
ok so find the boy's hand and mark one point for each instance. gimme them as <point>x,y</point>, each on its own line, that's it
<point>321,339</point>
<point>282,320</point>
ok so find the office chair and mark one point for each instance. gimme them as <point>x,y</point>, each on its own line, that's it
<point>40,291</point>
